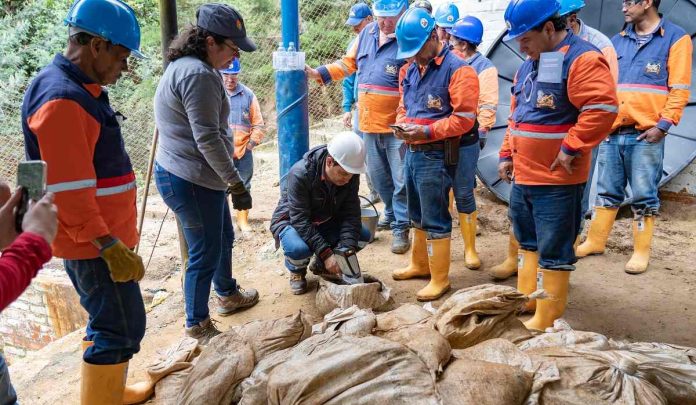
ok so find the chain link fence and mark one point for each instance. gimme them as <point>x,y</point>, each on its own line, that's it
<point>33,34</point>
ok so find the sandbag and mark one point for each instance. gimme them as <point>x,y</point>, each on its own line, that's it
<point>266,337</point>
<point>502,351</point>
<point>681,354</point>
<point>479,382</point>
<point>333,368</point>
<point>350,321</point>
<point>171,370</point>
<point>403,316</point>
<point>430,346</point>
<point>597,377</point>
<point>373,294</point>
<point>254,389</point>
<point>479,313</point>
<point>227,360</point>
<point>562,335</point>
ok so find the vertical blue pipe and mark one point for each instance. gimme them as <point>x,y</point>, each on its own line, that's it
<point>291,97</point>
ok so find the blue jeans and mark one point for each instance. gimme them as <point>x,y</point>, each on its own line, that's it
<point>205,216</point>
<point>116,311</point>
<point>546,219</point>
<point>586,209</point>
<point>245,167</point>
<point>428,182</point>
<point>385,166</point>
<point>8,396</point>
<point>624,159</point>
<point>465,178</point>
<point>298,253</point>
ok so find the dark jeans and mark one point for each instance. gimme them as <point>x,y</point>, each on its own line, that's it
<point>7,393</point>
<point>546,219</point>
<point>116,311</point>
<point>428,183</point>
<point>465,179</point>
<point>245,167</point>
<point>298,253</point>
<point>205,216</point>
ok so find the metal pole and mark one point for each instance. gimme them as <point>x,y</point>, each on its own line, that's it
<point>291,97</point>
<point>168,25</point>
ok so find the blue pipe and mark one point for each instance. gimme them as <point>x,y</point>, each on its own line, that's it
<point>291,98</point>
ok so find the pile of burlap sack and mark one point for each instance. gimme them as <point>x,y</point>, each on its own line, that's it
<point>471,350</point>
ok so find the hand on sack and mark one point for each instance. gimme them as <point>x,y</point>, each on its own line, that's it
<point>505,171</point>
<point>653,135</point>
<point>124,264</point>
<point>564,160</point>
<point>241,199</point>
<point>42,218</point>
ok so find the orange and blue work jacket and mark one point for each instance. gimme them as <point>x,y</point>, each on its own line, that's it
<point>377,79</point>
<point>654,80</point>
<point>68,122</point>
<point>488,90</point>
<point>245,120</point>
<point>574,115</point>
<point>603,43</point>
<point>443,97</point>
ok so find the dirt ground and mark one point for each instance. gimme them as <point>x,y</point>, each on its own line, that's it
<point>656,306</point>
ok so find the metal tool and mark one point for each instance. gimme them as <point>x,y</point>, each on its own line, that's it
<point>347,259</point>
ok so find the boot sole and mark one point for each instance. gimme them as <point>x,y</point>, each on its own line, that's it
<point>635,272</point>
<point>420,276</point>
<point>298,292</point>
<point>502,278</point>
<point>590,254</point>
<point>428,299</point>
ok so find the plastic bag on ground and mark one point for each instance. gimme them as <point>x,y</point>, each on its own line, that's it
<point>227,360</point>
<point>475,314</point>
<point>562,335</point>
<point>340,369</point>
<point>350,321</point>
<point>502,351</point>
<point>597,377</point>
<point>266,337</point>
<point>482,383</point>
<point>373,294</point>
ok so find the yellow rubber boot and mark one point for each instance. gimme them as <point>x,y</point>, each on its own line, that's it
<point>418,268</point>
<point>439,260</point>
<point>642,239</point>
<point>467,224</point>
<point>103,384</point>
<point>132,394</point>
<point>556,284</point>
<point>508,267</point>
<point>527,265</point>
<point>597,236</point>
<point>452,210</point>
<point>243,221</point>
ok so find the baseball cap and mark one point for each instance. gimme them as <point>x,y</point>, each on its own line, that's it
<point>224,20</point>
<point>358,13</point>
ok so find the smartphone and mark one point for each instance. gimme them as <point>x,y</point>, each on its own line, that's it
<point>31,177</point>
<point>397,128</point>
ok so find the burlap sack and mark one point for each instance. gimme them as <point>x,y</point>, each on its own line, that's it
<point>349,321</point>
<point>266,337</point>
<point>373,294</point>
<point>333,368</point>
<point>482,383</point>
<point>403,316</point>
<point>479,313</point>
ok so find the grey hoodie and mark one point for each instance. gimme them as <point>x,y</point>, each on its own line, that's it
<point>191,112</point>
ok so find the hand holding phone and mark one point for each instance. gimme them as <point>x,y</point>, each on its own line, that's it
<point>31,177</point>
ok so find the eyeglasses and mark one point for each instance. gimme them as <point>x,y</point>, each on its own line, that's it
<point>630,3</point>
<point>233,48</point>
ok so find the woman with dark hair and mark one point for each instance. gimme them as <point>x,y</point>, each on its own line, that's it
<point>194,168</point>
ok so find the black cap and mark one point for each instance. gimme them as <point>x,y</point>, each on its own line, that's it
<point>225,21</point>
<point>425,4</point>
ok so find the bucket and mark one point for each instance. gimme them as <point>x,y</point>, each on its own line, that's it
<point>369,217</point>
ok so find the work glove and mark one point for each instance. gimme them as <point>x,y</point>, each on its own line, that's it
<point>241,199</point>
<point>124,264</point>
<point>483,137</point>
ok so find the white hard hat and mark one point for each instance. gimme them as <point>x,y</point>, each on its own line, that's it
<point>348,150</point>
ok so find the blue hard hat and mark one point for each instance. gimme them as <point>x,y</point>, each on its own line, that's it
<point>388,8</point>
<point>523,15</point>
<point>234,68</point>
<point>570,6</point>
<point>358,13</point>
<point>446,15</point>
<point>412,31</point>
<point>469,29</point>
<point>112,20</point>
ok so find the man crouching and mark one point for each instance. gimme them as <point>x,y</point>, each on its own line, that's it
<point>319,208</point>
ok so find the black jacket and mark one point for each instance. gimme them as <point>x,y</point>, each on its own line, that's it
<point>309,201</point>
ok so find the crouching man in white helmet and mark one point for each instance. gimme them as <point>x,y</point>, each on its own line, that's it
<point>319,209</point>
